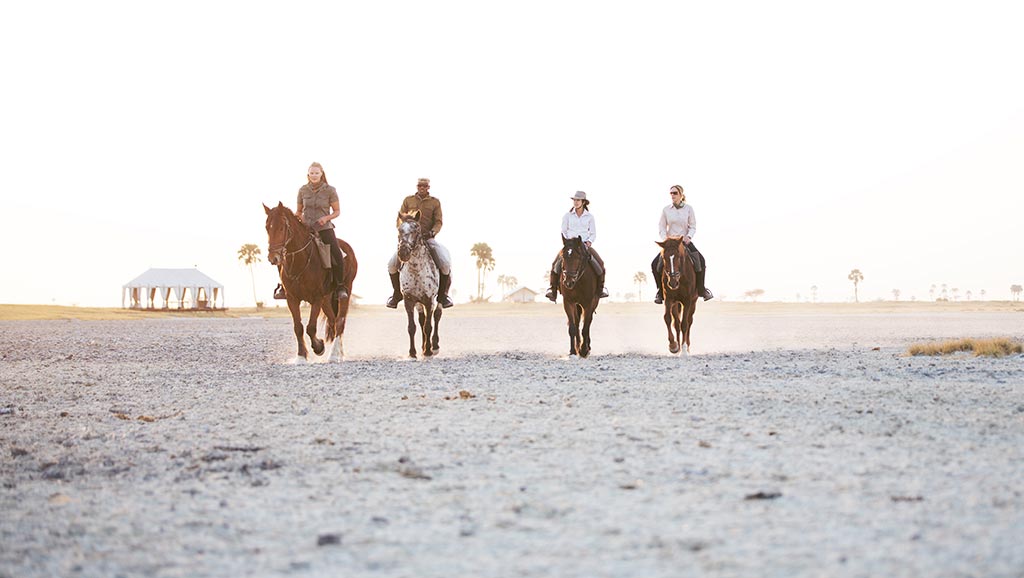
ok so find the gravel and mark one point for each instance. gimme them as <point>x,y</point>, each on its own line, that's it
<point>199,448</point>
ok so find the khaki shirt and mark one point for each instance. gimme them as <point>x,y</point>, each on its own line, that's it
<point>430,212</point>
<point>317,204</point>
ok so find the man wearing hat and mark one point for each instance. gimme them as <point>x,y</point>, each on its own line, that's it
<point>430,222</point>
<point>579,222</point>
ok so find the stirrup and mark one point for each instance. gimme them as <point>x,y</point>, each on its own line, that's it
<point>707,294</point>
<point>393,301</point>
<point>552,294</point>
<point>659,298</point>
<point>279,292</point>
<point>445,301</point>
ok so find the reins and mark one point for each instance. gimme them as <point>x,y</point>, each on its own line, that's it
<point>286,253</point>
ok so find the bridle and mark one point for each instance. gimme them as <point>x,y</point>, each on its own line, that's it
<point>282,249</point>
<point>671,268</point>
<point>410,246</point>
<point>571,280</point>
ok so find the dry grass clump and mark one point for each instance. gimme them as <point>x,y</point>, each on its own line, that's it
<point>994,347</point>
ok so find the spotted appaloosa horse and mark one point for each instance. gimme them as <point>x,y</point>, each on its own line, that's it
<point>294,251</point>
<point>680,283</point>
<point>580,298</point>
<point>419,280</point>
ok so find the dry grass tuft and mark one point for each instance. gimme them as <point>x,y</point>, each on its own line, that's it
<point>994,347</point>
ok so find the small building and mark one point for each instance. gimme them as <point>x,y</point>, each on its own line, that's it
<point>521,295</point>
<point>184,288</point>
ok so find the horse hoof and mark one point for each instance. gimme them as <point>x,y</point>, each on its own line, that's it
<point>673,348</point>
<point>427,352</point>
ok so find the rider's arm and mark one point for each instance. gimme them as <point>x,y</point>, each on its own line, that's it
<point>437,220</point>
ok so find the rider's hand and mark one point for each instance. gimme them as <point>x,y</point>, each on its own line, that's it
<point>686,240</point>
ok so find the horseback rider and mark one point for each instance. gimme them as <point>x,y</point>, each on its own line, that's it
<point>430,222</point>
<point>678,220</point>
<point>316,206</point>
<point>579,222</point>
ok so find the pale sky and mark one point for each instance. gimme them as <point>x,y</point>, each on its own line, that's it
<point>811,137</point>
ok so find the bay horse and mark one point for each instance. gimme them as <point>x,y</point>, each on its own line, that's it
<point>580,298</point>
<point>418,279</point>
<point>294,251</point>
<point>679,281</point>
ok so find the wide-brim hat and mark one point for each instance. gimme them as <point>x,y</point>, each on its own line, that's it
<point>580,195</point>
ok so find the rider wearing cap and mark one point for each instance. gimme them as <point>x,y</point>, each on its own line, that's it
<point>430,222</point>
<point>579,222</point>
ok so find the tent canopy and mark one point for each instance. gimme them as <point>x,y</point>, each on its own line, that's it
<point>203,290</point>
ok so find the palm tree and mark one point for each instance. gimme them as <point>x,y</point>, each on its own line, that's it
<point>640,279</point>
<point>753,294</point>
<point>968,294</point>
<point>856,276</point>
<point>1015,291</point>
<point>896,294</point>
<point>249,255</point>
<point>931,292</point>
<point>982,294</point>
<point>484,263</point>
<point>945,293</point>
<point>502,281</point>
<point>512,282</point>
<point>814,293</point>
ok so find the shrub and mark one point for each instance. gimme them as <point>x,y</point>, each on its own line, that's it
<point>994,347</point>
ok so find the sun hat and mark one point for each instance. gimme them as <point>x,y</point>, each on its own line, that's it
<point>580,195</point>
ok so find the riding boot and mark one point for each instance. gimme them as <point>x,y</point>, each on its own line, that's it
<point>397,295</point>
<point>552,293</point>
<point>601,289</point>
<point>703,291</point>
<point>443,284</point>
<point>659,297</point>
<point>340,292</point>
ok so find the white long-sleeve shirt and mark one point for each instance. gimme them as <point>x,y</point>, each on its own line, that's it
<point>579,226</point>
<point>679,222</point>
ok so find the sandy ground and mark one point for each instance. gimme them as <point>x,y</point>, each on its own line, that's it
<point>786,445</point>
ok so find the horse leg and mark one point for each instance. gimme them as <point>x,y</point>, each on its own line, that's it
<point>673,346</point>
<point>426,324</point>
<point>688,324</point>
<point>412,326</point>
<point>588,317</point>
<point>436,340</point>
<point>293,307</point>
<point>572,322</point>
<point>314,315</point>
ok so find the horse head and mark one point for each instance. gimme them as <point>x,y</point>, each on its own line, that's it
<point>410,235</point>
<point>672,261</point>
<point>575,260</point>
<point>281,227</point>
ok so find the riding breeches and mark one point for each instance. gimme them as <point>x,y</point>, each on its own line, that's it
<point>438,252</point>
<point>329,239</point>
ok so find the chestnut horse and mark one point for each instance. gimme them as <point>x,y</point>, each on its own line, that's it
<point>419,281</point>
<point>580,298</point>
<point>294,250</point>
<point>680,285</point>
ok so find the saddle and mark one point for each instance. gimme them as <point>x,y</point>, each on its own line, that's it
<point>325,252</point>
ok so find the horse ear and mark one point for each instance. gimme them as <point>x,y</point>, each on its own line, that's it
<point>266,209</point>
<point>660,244</point>
<point>415,215</point>
<point>280,204</point>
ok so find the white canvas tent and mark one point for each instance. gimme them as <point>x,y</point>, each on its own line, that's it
<point>189,288</point>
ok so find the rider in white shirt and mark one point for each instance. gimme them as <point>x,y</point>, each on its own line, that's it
<point>678,220</point>
<point>579,222</point>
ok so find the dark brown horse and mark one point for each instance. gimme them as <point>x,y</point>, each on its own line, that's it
<point>293,249</point>
<point>580,298</point>
<point>419,279</point>
<point>680,283</point>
